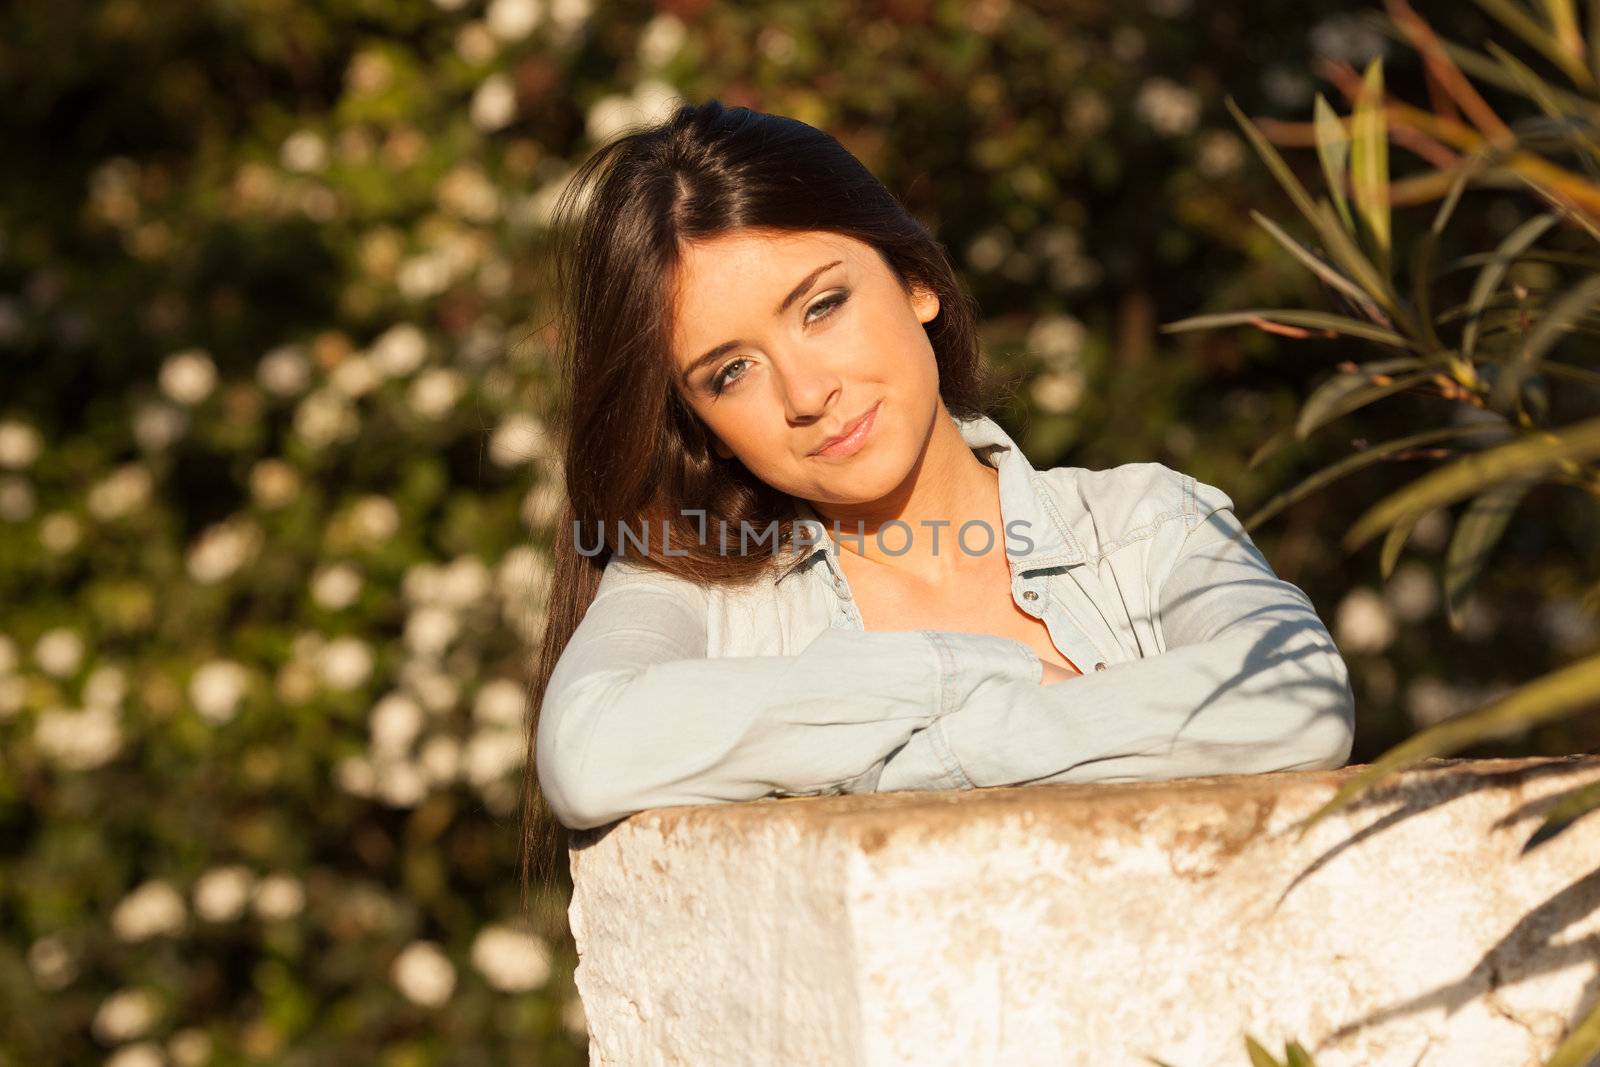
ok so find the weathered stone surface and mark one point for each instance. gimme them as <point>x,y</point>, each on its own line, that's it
<point>1097,924</point>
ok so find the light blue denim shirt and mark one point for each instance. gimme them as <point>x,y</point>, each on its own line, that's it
<point>1197,658</point>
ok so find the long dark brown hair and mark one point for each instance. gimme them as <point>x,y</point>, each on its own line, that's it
<point>632,451</point>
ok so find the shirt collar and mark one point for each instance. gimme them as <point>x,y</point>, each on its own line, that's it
<point>1025,510</point>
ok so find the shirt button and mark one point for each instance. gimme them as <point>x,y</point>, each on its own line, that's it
<point>1030,595</point>
<point>1100,666</point>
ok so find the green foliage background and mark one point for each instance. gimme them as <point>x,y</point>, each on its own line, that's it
<point>275,486</point>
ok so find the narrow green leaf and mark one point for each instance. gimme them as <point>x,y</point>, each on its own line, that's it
<point>1270,446</point>
<point>1476,533</point>
<point>1568,809</point>
<point>1333,149</point>
<point>1317,266</point>
<point>1519,22</point>
<point>1489,278</point>
<point>1581,1046</point>
<point>1259,1057</point>
<point>1550,697</point>
<point>1543,93</point>
<point>1422,273</point>
<point>1365,458</point>
<point>1344,393</point>
<point>1529,457</point>
<point>1311,320</point>
<point>1297,1056</point>
<point>1393,542</point>
<point>1369,158</point>
<point>1546,332</point>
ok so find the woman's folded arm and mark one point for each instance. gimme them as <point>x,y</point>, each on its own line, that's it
<point>1250,682</point>
<point>637,716</point>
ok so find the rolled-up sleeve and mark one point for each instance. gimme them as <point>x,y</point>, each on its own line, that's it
<point>1250,681</point>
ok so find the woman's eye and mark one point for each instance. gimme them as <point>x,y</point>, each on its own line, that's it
<point>815,313</point>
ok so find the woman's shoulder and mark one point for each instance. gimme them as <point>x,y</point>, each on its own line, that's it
<point>1134,494</point>
<point>628,574</point>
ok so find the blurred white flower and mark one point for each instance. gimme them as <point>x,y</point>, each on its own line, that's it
<point>79,740</point>
<point>369,73</point>
<point>1363,622</point>
<point>284,371</point>
<point>356,776</point>
<point>570,14</point>
<point>346,662</point>
<point>325,417</point>
<point>435,392</point>
<point>523,574</point>
<point>222,549</point>
<point>520,438</point>
<point>1572,629</point>
<point>9,657</point>
<point>465,191</point>
<point>188,377</point>
<point>152,909</point>
<point>1058,340</point>
<point>304,151</point>
<point>494,103</point>
<point>656,98</point>
<point>375,518</point>
<point>1477,620</point>
<point>142,1054</point>
<point>190,1047</point>
<point>430,629</point>
<point>1086,112</point>
<point>1169,108</point>
<point>440,759</point>
<point>1347,37</point>
<point>17,499</point>
<point>157,425</point>
<point>278,897</point>
<point>512,960</point>
<point>400,784</point>
<point>60,532</point>
<point>661,39</point>
<point>541,505</point>
<point>1219,153</point>
<point>1412,591</point>
<point>105,687</point>
<point>1057,392</point>
<point>500,702</point>
<point>273,483</point>
<point>59,652</point>
<point>20,445</point>
<point>217,687</point>
<point>422,276</point>
<point>424,974</point>
<point>475,44</point>
<point>221,894</point>
<point>336,587</point>
<point>462,582</point>
<point>1431,700</point>
<point>52,963</point>
<point>395,722</point>
<point>491,755</point>
<point>512,20</point>
<point>13,694</point>
<point>438,691</point>
<point>399,350</point>
<point>354,376</point>
<point>610,115</point>
<point>121,493</point>
<point>573,1017</point>
<point>125,1015</point>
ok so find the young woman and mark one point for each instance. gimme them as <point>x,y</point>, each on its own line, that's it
<point>772,576</point>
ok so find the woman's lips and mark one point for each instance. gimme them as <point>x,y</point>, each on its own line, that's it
<point>854,438</point>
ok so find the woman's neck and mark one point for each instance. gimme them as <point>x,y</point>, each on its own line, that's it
<point>947,486</point>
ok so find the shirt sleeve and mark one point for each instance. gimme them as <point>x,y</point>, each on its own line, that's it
<point>637,716</point>
<point>1250,681</point>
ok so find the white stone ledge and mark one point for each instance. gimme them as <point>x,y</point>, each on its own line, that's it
<point>1096,924</point>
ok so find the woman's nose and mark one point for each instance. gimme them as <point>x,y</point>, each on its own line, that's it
<point>809,387</point>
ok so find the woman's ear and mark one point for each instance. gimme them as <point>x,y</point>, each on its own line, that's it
<point>925,302</point>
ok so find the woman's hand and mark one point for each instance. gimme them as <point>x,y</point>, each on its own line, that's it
<point>1054,673</point>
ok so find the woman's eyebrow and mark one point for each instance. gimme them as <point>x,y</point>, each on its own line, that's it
<point>794,294</point>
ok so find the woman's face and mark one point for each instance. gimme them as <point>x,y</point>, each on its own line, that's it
<point>805,333</point>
